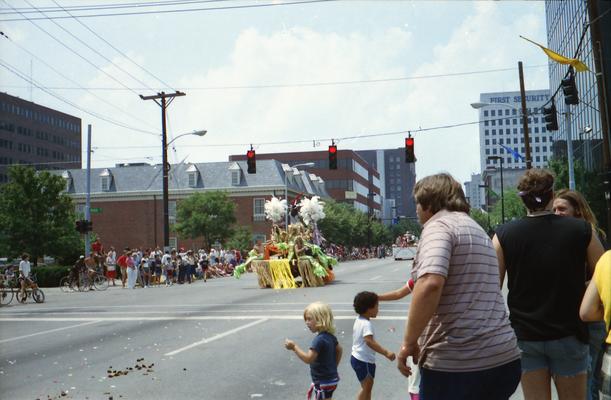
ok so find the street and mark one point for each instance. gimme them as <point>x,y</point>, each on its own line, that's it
<point>222,339</point>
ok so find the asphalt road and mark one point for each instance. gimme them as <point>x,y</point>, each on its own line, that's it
<point>217,340</point>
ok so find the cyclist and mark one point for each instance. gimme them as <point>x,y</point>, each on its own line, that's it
<point>24,273</point>
<point>76,270</point>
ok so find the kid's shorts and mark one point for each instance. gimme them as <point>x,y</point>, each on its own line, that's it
<point>362,369</point>
<point>322,390</point>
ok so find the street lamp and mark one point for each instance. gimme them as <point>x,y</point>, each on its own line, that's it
<point>502,194</point>
<point>166,214</point>
<point>286,190</point>
<point>479,104</point>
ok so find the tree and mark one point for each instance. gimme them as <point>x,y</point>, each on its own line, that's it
<point>240,240</point>
<point>481,217</point>
<point>514,208</point>
<point>405,225</point>
<point>37,217</point>
<point>209,215</point>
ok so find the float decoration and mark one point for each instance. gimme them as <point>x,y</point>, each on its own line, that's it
<point>290,254</point>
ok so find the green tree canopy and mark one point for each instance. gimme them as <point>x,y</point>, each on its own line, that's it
<point>240,240</point>
<point>345,225</point>
<point>37,217</point>
<point>209,215</point>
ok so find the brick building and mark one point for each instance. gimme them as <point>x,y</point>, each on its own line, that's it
<point>354,181</point>
<point>37,135</point>
<point>126,201</point>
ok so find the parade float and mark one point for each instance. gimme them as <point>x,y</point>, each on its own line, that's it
<point>292,257</point>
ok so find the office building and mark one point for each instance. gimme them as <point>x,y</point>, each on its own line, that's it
<point>36,135</point>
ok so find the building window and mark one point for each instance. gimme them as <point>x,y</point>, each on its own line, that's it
<point>487,142</point>
<point>486,132</point>
<point>493,122</point>
<point>259,209</point>
<point>507,112</point>
<point>492,112</point>
<point>485,123</point>
<point>235,178</point>
<point>173,242</point>
<point>487,152</point>
<point>493,132</point>
<point>192,179</point>
<point>172,211</point>
<point>536,129</point>
<point>105,183</point>
<point>485,113</point>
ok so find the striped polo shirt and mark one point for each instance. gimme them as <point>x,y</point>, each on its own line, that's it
<point>470,331</point>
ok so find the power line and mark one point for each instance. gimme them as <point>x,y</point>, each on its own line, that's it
<point>73,81</point>
<point>94,114</point>
<point>257,5</point>
<point>95,7</point>
<point>116,49</point>
<point>94,50</point>
<point>311,84</point>
<point>76,53</point>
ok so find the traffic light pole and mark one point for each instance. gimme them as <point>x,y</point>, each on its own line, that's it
<point>88,198</point>
<point>569,147</point>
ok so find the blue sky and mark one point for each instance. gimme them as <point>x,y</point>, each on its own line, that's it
<point>198,52</point>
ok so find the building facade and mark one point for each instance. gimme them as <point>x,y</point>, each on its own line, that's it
<point>570,33</point>
<point>354,181</point>
<point>36,135</point>
<point>127,208</point>
<point>501,129</point>
<point>397,180</point>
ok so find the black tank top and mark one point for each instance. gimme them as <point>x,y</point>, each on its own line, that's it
<point>544,259</point>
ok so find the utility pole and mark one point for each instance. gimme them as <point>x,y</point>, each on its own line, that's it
<point>160,99</point>
<point>88,198</point>
<point>524,117</point>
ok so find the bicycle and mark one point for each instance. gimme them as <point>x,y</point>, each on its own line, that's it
<point>6,293</point>
<point>69,284</point>
<point>32,290</point>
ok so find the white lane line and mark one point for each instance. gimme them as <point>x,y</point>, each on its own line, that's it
<point>189,318</point>
<point>49,331</point>
<point>216,337</point>
<point>375,277</point>
<point>395,270</point>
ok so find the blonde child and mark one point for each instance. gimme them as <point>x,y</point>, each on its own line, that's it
<point>364,345</point>
<point>414,378</point>
<point>324,354</point>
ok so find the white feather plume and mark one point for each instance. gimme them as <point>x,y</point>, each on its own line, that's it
<point>275,209</point>
<point>311,210</point>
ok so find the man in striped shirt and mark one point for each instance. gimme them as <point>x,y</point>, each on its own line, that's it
<point>458,329</point>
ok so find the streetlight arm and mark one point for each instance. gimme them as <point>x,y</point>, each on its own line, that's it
<point>196,133</point>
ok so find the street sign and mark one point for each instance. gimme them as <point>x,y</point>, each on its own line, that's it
<point>95,210</point>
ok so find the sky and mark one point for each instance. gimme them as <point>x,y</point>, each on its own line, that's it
<point>352,71</point>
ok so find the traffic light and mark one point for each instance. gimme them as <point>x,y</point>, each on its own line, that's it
<point>551,117</point>
<point>252,161</point>
<point>83,226</point>
<point>569,88</point>
<point>410,156</point>
<point>88,226</point>
<point>333,157</point>
<point>79,226</point>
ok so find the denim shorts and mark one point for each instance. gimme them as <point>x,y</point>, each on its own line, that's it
<point>362,369</point>
<point>562,357</point>
<point>605,375</point>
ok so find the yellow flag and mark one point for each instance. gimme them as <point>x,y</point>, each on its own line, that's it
<point>578,65</point>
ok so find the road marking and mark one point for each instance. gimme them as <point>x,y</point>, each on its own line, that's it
<point>395,270</point>
<point>375,277</point>
<point>189,318</point>
<point>216,337</point>
<point>49,331</point>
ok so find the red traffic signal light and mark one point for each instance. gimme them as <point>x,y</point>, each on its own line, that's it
<point>410,156</point>
<point>252,161</point>
<point>333,157</point>
<point>569,88</point>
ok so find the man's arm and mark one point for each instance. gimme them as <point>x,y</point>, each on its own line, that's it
<point>425,299</point>
<point>500,257</point>
<point>595,250</point>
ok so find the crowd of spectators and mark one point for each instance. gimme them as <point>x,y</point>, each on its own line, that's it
<point>152,267</point>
